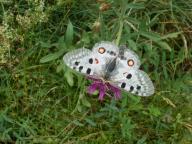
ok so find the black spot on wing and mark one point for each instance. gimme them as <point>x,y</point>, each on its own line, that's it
<point>90,60</point>
<point>122,58</point>
<point>129,76</point>
<point>76,63</point>
<point>80,68</point>
<point>123,85</point>
<point>111,53</point>
<point>88,71</point>
<point>138,87</point>
<point>131,88</point>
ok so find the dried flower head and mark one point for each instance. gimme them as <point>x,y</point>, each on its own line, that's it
<point>104,6</point>
<point>96,26</point>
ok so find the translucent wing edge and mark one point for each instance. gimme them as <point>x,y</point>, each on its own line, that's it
<point>142,80</point>
<point>146,82</point>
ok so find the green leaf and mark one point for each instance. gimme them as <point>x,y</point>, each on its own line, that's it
<point>89,121</point>
<point>85,38</point>
<point>79,108</point>
<point>69,34</point>
<point>85,102</point>
<point>76,122</point>
<point>51,57</point>
<point>154,111</point>
<point>96,92</point>
<point>45,44</point>
<point>69,77</point>
<point>61,43</point>
<point>127,127</point>
<point>60,67</point>
<point>164,57</point>
<point>135,100</point>
<point>136,5</point>
<point>156,38</point>
<point>150,35</point>
<point>164,45</point>
<point>124,101</point>
<point>171,35</point>
<point>132,44</point>
<point>142,140</point>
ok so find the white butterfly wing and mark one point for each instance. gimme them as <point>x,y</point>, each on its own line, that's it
<point>128,77</point>
<point>135,81</point>
<point>91,62</point>
<point>104,52</point>
<point>80,60</point>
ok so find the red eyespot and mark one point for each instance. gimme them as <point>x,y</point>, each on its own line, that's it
<point>96,61</point>
<point>130,62</point>
<point>101,50</point>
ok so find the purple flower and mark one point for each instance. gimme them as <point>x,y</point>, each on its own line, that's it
<point>103,87</point>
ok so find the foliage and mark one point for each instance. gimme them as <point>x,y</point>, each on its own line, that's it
<point>42,101</point>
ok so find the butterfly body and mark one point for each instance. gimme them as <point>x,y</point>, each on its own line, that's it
<point>117,66</point>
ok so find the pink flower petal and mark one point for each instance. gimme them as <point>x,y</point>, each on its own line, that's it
<point>92,88</point>
<point>102,91</point>
<point>115,90</point>
<point>102,88</point>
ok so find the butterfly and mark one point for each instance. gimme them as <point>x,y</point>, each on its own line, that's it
<point>115,65</point>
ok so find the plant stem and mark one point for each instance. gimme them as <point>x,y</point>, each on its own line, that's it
<point>123,10</point>
<point>119,32</point>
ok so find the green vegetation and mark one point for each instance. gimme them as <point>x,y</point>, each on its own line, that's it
<point>42,101</point>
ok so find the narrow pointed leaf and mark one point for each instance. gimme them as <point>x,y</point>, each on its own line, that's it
<point>69,34</point>
<point>52,56</point>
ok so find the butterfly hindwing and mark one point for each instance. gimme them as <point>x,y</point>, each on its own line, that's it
<point>137,82</point>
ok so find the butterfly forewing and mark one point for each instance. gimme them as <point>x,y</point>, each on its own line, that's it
<point>135,81</point>
<point>80,60</point>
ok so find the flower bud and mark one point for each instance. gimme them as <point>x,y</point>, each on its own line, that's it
<point>104,6</point>
<point>96,26</point>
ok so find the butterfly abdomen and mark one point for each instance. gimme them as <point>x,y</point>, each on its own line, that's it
<point>110,67</point>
